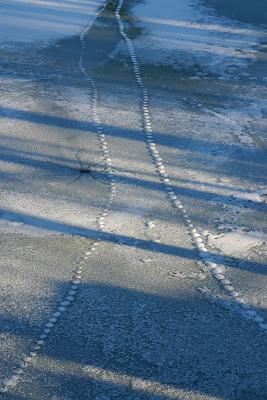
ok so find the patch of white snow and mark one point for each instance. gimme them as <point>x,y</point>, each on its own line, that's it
<point>237,241</point>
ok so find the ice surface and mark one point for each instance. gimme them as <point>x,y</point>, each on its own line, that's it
<point>185,34</point>
<point>237,241</point>
<point>37,20</point>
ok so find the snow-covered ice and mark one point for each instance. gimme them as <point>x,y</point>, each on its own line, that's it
<point>173,194</point>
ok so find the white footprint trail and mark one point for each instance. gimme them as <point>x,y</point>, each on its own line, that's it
<point>217,271</point>
<point>71,294</point>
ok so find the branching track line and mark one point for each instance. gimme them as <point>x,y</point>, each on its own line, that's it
<point>71,295</point>
<point>217,271</point>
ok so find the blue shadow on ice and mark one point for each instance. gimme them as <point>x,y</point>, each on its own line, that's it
<point>149,245</point>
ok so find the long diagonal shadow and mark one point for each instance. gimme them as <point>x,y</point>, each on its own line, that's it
<point>130,241</point>
<point>67,160</point>
<point>170,140</point>
<point>69,165</point>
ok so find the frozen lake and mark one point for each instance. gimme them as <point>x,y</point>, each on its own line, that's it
<point>133,190</point>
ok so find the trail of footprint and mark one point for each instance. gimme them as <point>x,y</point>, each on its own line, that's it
<point>70,297</point>
<point>217,271</point>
